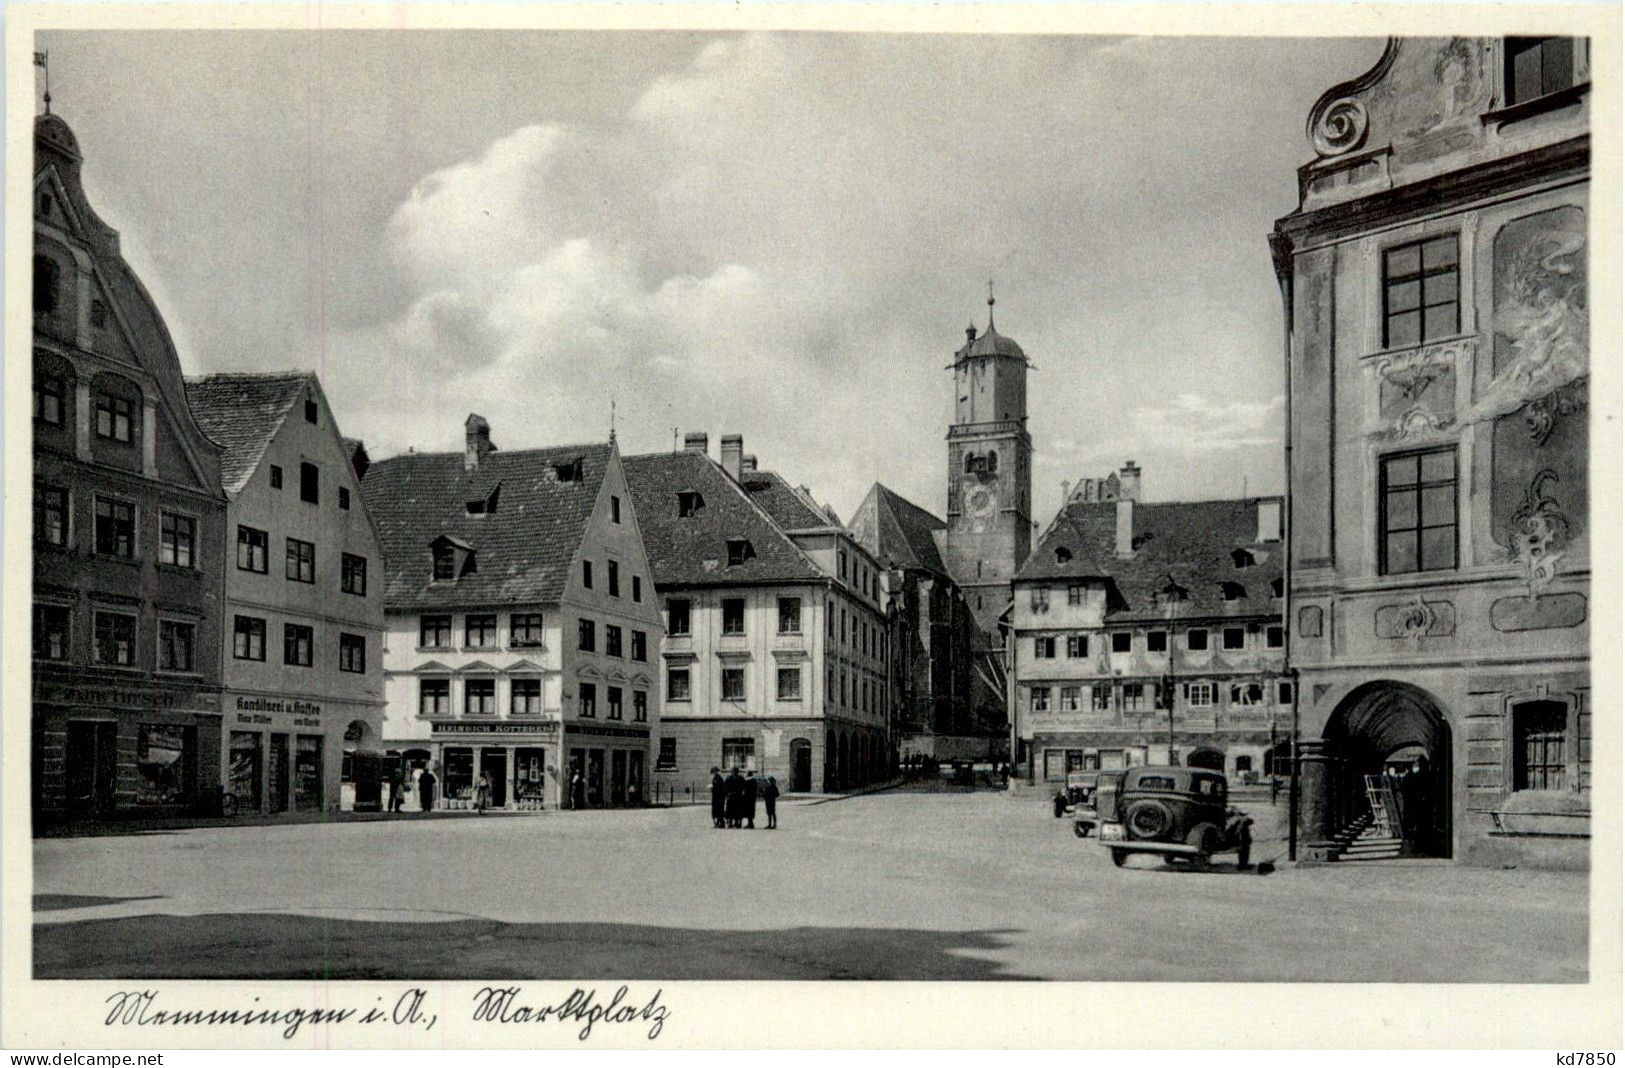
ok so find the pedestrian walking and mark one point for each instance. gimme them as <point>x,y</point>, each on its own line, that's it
<point>394,793</point>
<point>747,801</point>
<point>426,790</point>
<point>770,801</point>
<point>719,797</point>
<point>482,793</point>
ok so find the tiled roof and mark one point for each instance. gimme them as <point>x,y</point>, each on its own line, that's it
<point>242,413</point>
<point>523,549</point>
<point>789,507</point>
<point>898,531</point>
<point>693,551</point>
<point>1193,543</point>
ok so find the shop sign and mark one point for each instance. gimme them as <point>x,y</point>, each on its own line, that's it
<point>124,697</point>
<point>607,732</point>
<point>260,710</point>
<point>544,727</point>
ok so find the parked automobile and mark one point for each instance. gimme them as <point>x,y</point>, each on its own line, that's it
<point>1080,795</point>
<point>1180,814</point>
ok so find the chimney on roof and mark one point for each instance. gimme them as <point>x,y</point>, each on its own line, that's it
<point>733,453</point>
<point>476,442</point>
<point>1125,527</point>
<point>696,441</point>
<point>1269,520</point>
<point>1128,481</point>
<point>748,464</point>
<point>1066,489</point>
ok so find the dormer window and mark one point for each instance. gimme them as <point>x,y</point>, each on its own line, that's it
<point>310,411</point>
<point>1275,589</point>
<point>47,284</point>
<point>453,559</point>
<point>569,471</point>
<point>739,551</point>
<point>1172,593</point>
<point>689,504</point>
<point>1539,66</point>
<point>1233,591</point>
<point>1063,555</point>
<point>484,505</point>
<point>1242,558</point>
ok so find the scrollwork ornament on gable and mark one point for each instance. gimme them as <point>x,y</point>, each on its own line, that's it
<point>1538,533</point>
<point>1415,620</point>
<point>1340,128</point>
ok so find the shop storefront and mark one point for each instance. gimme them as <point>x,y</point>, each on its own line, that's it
<point>521,762</point>
<point>612,760</point>
<point>101,751</point>
<point>285,755</point>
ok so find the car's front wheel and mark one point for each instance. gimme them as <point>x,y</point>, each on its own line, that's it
<point>1081,830</point>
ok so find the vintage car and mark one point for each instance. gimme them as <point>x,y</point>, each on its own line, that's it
<point>1180,814</point>
<point>1080,794</point>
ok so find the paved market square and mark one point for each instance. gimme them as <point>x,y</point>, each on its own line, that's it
<point>892,885</point>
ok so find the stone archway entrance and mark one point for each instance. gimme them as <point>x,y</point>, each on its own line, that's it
<point>1377,729</point>
<point>800,766</point>
<point>1211,759</point>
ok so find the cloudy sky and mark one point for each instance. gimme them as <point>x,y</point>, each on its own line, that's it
<point>778,235</point>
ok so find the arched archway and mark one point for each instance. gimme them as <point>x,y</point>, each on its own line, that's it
<point>830,761</point>
<point>1211,759</point>
<point>1393,720</point>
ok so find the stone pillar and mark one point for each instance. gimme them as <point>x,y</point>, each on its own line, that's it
<point>1314,802</point>
<point>82,415</point>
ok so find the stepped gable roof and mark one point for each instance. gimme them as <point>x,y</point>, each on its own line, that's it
<point>1190,542</point>
<point>790,508</point>
<point>693,550</point>
<point>242,413</point>
<point>523,549</point>
<point>898,531</point>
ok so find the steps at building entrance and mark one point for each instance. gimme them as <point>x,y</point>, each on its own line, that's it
<point>1365,841</point>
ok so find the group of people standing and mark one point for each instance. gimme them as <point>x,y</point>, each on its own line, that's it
<point>734,797</point>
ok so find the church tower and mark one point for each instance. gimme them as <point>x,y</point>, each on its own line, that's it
<point>989,471</point>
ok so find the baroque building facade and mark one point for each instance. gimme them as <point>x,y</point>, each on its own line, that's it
<point>129,527</point>
<point>1150,633</point>
<point>1434,278</point>
<point>522,622</point>
<point>776,646</point>
<point>304,621</point>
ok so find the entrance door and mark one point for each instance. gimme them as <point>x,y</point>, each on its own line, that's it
<point>801,766</point>
<point>91,766</point>
<point>276,779</point>
<point>494,762</point>
<point>634,776</point>
<point>595,777</point>
<point>617,776</point>
<point>243,780</point>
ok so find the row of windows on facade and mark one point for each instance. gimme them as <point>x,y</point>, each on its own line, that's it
<point>861,694</point>
<point>612,578</point>
<point>1137,696</point>
<point>298,644</point>
<point>852,631</point>
<point>1156,641</point>
<point>299,562</point>
<point>863,578</point>
<point>1173,593</point>
<point>525,699</point>
<point>115,527</point>
<point>736,753</point>
<point>116,419</point>
<point>114,635</point>
<point>1057,762</point>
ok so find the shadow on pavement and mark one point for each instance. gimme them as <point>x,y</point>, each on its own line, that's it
<point>60,902</point>
<point>280,946</point>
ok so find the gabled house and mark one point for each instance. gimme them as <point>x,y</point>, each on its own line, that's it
<point>129,527</point>
<point>1152,633</point>
<point>304,620</point>
<point>776,646</point>
<point>522,621</point>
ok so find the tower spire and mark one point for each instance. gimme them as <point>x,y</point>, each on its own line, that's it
<point>990,303</point>
<point>43,61</point>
